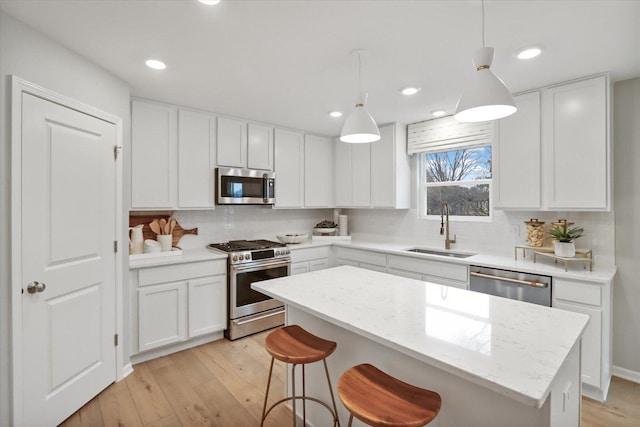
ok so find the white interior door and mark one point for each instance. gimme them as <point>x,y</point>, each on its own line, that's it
<point>68,230</point>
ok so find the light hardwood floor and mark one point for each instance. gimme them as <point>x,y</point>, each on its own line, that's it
<point>222,384</point>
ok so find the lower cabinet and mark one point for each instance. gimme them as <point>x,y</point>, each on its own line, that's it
<point>594,300</point>
<point>443,273</point>
<point>305,260</point>
<point>178,302</point>
<point>361,258</point>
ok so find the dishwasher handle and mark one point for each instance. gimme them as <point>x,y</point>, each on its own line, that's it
<point>531,283</point>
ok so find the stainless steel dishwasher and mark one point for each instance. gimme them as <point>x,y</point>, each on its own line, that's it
<point>533,288</point>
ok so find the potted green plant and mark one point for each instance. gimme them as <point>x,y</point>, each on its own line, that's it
<point>565,245</point>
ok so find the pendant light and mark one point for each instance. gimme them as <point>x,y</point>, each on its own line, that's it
<point>360,126</point>
<point>486,96</point>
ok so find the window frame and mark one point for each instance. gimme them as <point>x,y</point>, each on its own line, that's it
<point>423,185</point>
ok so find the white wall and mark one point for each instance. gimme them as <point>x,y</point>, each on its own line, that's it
<point>31,56</point>
<point>626,290</point>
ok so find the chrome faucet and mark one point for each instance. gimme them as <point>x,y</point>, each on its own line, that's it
<point>444,225</point>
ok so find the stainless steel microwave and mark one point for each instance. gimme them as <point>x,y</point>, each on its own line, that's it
<point>235,186</point>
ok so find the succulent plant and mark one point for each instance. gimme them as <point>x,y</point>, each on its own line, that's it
<point>326,224</point>
<point>562,233</point>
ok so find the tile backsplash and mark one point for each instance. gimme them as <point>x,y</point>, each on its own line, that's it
<point>497,236</point>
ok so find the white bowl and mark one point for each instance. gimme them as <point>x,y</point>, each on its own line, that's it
<point>151,246</point>
<point>324,230</point>
<point>292,238</point>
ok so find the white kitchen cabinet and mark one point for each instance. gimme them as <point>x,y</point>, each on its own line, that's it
<point>516,156</point>
<point>577,157</point>
<point>374,175</point>
<point>289,168</point>
<point>594,300</point>
<point>162,311</point>
<point>173,304</point>
<point>260,147</point>
<point>556,156</point>
<point>441,272</point>
<point>369,260</point>
<point>390,169</point>
<point>305,260</point>
<point>205,317</point>
<point>153,155</point>
<point>232,142</point>
<point>318,172</point>
<point>196,159</point>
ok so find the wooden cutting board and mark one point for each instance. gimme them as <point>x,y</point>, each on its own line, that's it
<point>178,231</point>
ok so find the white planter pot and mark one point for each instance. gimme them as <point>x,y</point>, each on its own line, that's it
<point>565,249</point>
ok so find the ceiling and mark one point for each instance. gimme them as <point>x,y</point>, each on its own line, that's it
<point>289,63</point>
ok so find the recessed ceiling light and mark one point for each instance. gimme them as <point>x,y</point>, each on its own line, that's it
<point>529,52</point>
<point>438,113</point>
<point>209,2</point>
<point>336,114</point>
<point>410,90</point>
<point>155,64</point>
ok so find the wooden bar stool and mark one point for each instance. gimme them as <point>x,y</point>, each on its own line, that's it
<point>381,400</point>
<point>292,344</point>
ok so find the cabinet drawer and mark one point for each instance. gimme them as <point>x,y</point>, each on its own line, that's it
<point>308,254</point>
<point>429,267</point>
<point>362,256</point>
<point>585,293</point>
<point>173,272</point>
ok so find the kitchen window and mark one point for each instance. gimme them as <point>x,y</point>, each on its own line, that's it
<point>460,177</point>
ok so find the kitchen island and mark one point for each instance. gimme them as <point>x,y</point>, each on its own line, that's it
<point>494,361</point>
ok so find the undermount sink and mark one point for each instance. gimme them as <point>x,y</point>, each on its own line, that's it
<point>439,253</point>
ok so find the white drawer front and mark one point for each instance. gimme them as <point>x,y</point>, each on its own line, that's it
<point>307,254</point>
<point>173,272</point>
<point>430,267</point>
<point>374,258</point>
<point>584,293</point>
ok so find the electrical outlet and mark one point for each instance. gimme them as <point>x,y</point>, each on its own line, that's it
<point>514,229</point>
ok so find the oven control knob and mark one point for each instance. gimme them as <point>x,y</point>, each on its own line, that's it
<point>241,257</point>
<point>278,253</point>
<point>235,258</point>
<point>287,251</point>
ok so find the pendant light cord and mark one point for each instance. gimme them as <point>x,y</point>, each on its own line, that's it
<point>482,23</point>
<point>359,76</point>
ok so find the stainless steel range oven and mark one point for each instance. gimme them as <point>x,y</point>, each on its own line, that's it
<point>251,261</point>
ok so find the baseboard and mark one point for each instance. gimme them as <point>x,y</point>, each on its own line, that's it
<point>626,374</point>
<point>126,370</point>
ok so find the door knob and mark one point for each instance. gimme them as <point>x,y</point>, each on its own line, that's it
<point>34,287</point>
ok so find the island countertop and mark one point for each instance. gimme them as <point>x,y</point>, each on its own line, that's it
<point>513,348</point>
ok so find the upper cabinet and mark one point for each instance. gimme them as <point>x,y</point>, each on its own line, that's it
<point>375,175</point>
<point>232,142</point>
<point>244,145</point>
<point>196,159</point>
<point>554,153</point>
<point>304,170</point>
<point>516,156</point>
<point>289,164</point>
<point>153,155</point>
<point>173,157</point>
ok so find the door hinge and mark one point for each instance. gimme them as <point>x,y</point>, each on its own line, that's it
<point>115,246</point>
<point>115,340</point>
<point>116,151</point>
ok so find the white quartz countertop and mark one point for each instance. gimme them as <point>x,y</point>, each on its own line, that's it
<point>188,255</point>
<point>513,348</point>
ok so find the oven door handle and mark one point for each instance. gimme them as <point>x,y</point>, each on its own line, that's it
<point>531,283</point>
<point>253,319</point>
<point>261,266</point>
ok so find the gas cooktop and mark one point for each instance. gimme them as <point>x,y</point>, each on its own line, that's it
<point>252,251</point>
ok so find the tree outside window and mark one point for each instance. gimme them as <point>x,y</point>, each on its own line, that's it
<point>462,178</point>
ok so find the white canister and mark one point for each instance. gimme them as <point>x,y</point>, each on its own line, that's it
<point>165,242</point>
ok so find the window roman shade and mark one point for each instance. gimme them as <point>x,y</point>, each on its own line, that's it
<point>446,134</point>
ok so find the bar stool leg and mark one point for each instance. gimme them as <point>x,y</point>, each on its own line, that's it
<point>350,420</point>
<point>304,400</point>
<point>333,400</point>
<point>266,396</point>
<point>293,391</point>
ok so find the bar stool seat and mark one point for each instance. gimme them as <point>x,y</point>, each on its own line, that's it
<point>294,345</point>
<point>381,400</point>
